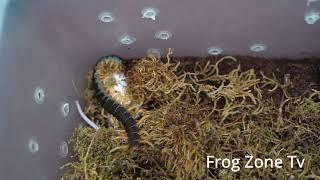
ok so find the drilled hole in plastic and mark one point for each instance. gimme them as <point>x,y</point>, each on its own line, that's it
<point>106,17</point>
<point>149,13</point>
<point>153,52</point>
<point>65,109</point>
<point>33,146</point>
<point>258,47</point>
<point>63,149</point>
<point>164,35</point>
<point>127,40</point>
<point>39,95</point>
<point>312,17</point>
<point>214,50</point>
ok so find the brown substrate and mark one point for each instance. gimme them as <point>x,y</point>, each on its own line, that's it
<point>304,72</point>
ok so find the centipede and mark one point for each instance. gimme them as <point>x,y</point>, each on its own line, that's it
<point>111,96</point>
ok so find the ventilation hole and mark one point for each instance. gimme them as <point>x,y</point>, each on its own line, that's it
<point>149,13</point>
<point>214,50</point>
<point>153,52</point>
<point>65,109</point>
<point>164,35</point>
<point>63,149</point>
<point>258,47</point>
<point>127,40</point>
<point>39,95</point>
<point>312,17</point>
<point>106,17</point>
<point>33,146</point>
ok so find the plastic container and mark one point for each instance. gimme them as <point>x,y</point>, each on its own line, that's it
<point>47,47</point>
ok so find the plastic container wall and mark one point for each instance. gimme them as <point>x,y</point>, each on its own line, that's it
<point>47,47</point>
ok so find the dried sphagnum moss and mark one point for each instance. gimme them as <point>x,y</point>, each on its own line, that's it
<point>188,115</point>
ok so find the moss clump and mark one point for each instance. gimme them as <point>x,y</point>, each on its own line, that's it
<point>154,83</point>
<point>189,114</point>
